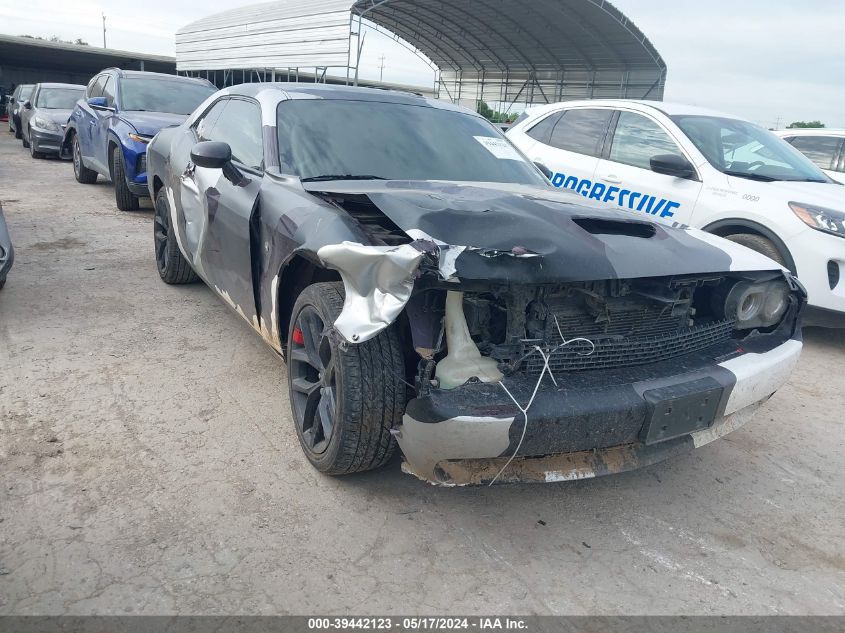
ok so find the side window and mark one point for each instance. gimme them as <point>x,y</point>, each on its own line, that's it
<point>205,123</point>
<point>239,125</point>
<point>542,131</point>
<point>822,150</point>
<point>108,91</point>
<point>581,131</point>
<point>637,139</point>
<point>96,89</point>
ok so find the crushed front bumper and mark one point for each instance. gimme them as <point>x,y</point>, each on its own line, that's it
<point>45,142</point>
<point>592,423</point>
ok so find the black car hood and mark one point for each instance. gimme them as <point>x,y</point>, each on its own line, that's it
<point>526,234</point>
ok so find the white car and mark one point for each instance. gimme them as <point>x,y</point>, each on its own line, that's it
<point>686,165</point>
<point>826,148</point>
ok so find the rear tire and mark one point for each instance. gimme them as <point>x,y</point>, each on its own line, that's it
<point>126,200</point>
<point>172,267</point>
<point>81,172</point>
<point>344,402</point>
<point>760,244</point>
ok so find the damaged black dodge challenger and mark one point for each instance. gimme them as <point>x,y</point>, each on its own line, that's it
<point>428,287</point>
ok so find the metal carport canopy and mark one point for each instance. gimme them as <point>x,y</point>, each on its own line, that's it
<point>481,42</point>
<point>491,35</point>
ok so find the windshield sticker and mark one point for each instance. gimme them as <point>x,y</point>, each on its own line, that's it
<point>499,147</point>
<point>625,198</point>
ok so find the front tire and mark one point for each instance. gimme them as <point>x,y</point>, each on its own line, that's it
<point>760,244</point>
<point>32,152</point>
<point>344,402</point>
<point>173,268</point>
<point>24,142</point>
<point>81,172</point>
<point>125,199</point>
<point>18,134</point>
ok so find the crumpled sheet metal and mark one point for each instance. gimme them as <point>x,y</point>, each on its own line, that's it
<point>378,281</point>
<point>431,459</point>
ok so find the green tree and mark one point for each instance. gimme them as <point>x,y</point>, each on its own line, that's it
<point>494,115</point>
<point>805,124</point>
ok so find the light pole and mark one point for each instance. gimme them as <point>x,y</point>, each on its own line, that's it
<point>104,30</point>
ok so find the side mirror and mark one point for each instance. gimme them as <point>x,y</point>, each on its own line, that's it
<point>27,105</point>
<point>98,103</point>
<point>546,171</point>
<point>672,165</point>
<point>211,154</point>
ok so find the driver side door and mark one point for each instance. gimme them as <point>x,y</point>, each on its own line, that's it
<point>87,122</point>
<point>218,208</point>
<point>625,171</point>
<point>100,127</point>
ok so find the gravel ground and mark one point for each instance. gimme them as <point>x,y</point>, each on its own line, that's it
<point>148,464</point>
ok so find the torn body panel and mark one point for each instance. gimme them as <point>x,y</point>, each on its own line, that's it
<point>378,281</point>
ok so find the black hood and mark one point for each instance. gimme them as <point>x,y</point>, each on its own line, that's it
<point>529,235</point>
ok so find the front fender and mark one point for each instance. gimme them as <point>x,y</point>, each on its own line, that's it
<point>729,225</point>
<point>118,136</point>
<point>66,150</point>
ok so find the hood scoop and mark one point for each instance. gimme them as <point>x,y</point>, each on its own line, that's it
<point>603,226</point>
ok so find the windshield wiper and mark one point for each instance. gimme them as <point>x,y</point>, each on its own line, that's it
<point>750,176</point>
<point>342,177</point>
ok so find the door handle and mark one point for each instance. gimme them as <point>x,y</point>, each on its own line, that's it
<point>612,179</point>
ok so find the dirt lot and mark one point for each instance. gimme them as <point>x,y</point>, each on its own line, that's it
<point>148,464</point>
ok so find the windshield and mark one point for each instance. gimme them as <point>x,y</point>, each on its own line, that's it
<point>162,95</point>
<point>739,148</point>
<point>332,139</point>
<point>58,98</point>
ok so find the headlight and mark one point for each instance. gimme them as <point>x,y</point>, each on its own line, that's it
<point>756,305</point>
<point>140,138</point>
<point>46,124</point>
<point>819,218</point>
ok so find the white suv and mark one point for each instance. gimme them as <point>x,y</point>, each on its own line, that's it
<point>826,148</point>
<point>687,165</point>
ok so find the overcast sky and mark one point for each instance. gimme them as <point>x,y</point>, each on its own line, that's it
<point>768,61</point>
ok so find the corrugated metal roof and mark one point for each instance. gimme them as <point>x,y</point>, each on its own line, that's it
<point>485,42</point>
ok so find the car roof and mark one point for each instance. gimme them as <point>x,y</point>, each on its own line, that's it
<point>812,131</point>
<point>151,75</point>
<point>57,85</point>
<point>668,108</point>
<point>352,93</point>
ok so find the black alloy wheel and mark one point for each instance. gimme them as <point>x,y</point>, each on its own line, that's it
<point>172,267</point>
<point>313,381</point>
<point>161,231</point>
<point>345,399</point>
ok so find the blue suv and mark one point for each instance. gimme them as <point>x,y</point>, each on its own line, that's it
<point>110,127</point>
